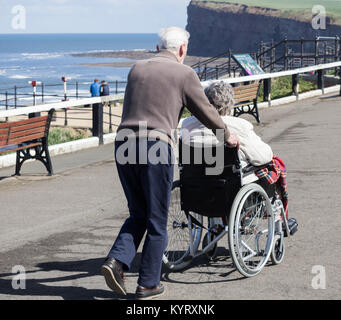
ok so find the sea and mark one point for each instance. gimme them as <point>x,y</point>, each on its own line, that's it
<point>48,57</point>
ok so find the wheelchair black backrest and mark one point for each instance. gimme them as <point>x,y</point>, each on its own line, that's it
<point>202,155</point>
<point>209,188</point>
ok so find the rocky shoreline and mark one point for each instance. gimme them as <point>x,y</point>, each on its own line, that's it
<point>131,55</point>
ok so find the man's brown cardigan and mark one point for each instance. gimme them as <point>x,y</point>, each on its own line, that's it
<point>157,91</point>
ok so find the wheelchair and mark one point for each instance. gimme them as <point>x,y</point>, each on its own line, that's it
<point>234,202</point>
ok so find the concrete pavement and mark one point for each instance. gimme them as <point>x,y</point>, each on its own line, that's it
<point>60,228</point>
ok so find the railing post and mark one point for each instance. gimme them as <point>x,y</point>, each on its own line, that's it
<point>340,79</point>
<point>97,121</point>
<point>336,49</point>
<point>272,67</point>
<point>110,120</point>
<point>65,117</point>
<point>336,52</point>
<point>42,92</point>
<point>320,80</point>
<point>267,89</point>
<point>286,54</point>
<point>6,97</point>
<point>116,86</point>
<point>302,52</point>
<point>76,89</point>
<point>230,58</point>
<point>261,55</point>
<point>15,97</point>
<point>316,51</point>
<point>295,85</point>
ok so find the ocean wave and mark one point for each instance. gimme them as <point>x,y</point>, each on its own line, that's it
<point>18,76</point>
<point>42,56</point>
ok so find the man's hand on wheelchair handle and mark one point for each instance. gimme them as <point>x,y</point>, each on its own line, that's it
<point>233,141</point>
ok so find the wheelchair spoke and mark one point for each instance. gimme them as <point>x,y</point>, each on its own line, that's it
<point>252,254</point>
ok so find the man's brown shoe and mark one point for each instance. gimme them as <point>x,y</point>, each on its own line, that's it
<point>114,276</point>
<point>149,293</point>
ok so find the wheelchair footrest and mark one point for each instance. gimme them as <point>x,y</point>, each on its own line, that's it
<point>293,227</point>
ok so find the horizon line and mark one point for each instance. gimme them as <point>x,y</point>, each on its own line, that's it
<point>42,33</point>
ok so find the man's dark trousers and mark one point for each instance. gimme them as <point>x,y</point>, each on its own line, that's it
<point>147,188</point>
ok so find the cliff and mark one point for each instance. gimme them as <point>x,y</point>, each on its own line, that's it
<point>216,27</point>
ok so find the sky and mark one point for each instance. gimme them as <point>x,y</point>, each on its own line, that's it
<point>91,16</point>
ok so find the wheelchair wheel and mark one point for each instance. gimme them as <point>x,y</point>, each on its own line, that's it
<point>177,254</point>
<point>278,250</point>
<point>251,230</point>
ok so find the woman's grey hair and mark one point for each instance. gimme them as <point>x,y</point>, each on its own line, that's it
<point>172,38</point>
<point>220,94</point>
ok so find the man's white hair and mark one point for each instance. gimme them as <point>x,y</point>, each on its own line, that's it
<point>172,38</point>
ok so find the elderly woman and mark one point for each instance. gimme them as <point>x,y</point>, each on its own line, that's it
<point>252,149</point>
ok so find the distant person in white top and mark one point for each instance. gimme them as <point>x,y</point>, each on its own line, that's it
<point>252,149</point>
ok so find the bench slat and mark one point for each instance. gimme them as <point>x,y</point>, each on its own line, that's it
<point>24,133</point>
<point>4,125</point>
<point>249,90</point>
<point>28,126</point>
<point>245,98</point>
<point>26,138</point>
<point>4,130</point>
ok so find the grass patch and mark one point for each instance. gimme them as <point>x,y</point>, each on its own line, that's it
<point>291,9</point>
<point>332,6</point>
<point>62,135</point>
<point>282,87</point>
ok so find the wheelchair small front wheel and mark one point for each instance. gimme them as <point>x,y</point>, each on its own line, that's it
<point>251,229</point>
<point>177,254</point>
<point>278,250</point>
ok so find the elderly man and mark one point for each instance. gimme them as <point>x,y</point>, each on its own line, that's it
<point>158,89</point>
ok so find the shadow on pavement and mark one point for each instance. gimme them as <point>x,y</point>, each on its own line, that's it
<point>204,271</point>
<point>45,287</point>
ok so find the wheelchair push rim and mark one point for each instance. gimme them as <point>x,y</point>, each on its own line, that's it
<point>251,230</point>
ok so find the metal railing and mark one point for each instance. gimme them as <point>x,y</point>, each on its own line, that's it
<point>98,111</point>
<point>22,96</point>
<point>291,54</point>
<point>271,57</point>
<point>295,73</point>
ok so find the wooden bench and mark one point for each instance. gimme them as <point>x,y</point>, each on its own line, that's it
<point>29,138</point>
<point>245,96</point>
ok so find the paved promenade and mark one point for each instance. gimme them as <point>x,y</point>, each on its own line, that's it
<point>60,228</point>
